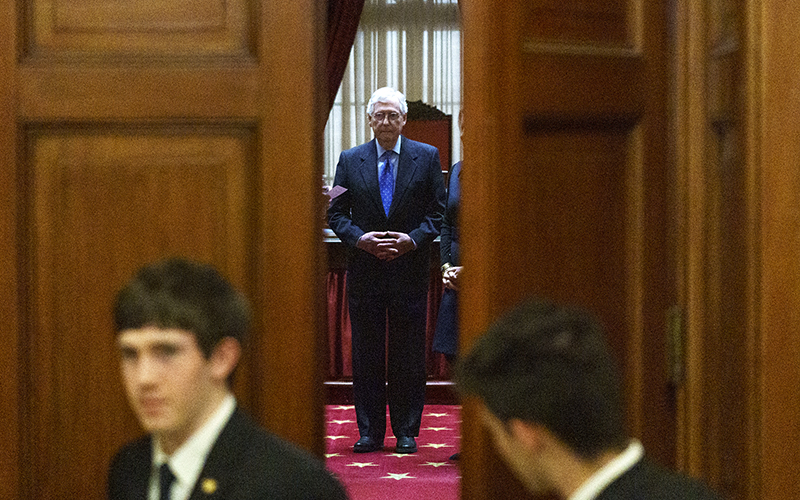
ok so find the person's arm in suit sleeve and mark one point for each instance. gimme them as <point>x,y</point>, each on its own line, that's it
<point>339,215</point>
<point>446,235</point>
<point>450,272</point>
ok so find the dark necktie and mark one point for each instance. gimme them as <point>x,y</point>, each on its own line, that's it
<point>165,479</point>
<point>387,182</point>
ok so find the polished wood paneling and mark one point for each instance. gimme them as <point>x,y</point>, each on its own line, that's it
<point>728,250</point>
<point>566,196</point>
<point>774,155</point>
<point>99,201</point>
<point>593,22</point>
<point>10,312</point>
<point>132,131</point>
<point>574,239</point>
<point>143,28</point>
<point>75,93</point>
<point>716,398</point>
<point>738,178</point>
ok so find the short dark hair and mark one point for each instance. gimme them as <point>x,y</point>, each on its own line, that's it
<point>191,296</point>
<point>549,364</point>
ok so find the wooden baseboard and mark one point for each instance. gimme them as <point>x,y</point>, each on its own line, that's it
<point>437,392</point>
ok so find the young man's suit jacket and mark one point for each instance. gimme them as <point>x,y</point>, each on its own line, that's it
<point>651,482</point>
<point>417,208</point>
<point>245,463</point>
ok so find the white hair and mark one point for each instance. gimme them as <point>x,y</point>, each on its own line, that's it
<point>387,95</point>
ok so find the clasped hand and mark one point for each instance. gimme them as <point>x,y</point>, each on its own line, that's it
<point>450,277</point>
<point>386,245</point>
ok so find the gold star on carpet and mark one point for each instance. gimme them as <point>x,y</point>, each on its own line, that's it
<point>340,422</point>
<point>399,455</point>
<point>436,414</point>
<point>342,407</point>
<point>398,477</point>
<point>436,464</point>
<point>435,445</point>
<point>331,455</point>
<point>437,429</point>
<point>335,437</point>
<point>361,465</point>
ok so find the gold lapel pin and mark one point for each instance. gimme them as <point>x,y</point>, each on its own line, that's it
<point>209,486</point>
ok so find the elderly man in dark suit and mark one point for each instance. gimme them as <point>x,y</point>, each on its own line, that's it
<point>179,328</point>
<point>388,216</point>
<point>552,400</point>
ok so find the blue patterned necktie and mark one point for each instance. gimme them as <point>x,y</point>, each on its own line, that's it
<point>387,182</point>
<point>165,479</point>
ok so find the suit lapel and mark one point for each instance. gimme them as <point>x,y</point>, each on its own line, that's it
<point>406,169</point>
<point>369,172</point>
<point>215,477</point>
<point>144,461</point>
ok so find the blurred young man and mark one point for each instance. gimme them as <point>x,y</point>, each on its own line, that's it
<point>179,331</point>
<point>552,402</point>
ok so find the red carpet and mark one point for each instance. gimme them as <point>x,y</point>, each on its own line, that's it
<point>385,475</point>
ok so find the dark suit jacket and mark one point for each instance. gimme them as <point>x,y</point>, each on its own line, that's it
<point>247,463</point>
<point>647,481</point>
<point>445,339</point>
<point>417,207</point>
<point>449,250</point>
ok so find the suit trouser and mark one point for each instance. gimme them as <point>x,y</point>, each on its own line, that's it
<point>403,369</point>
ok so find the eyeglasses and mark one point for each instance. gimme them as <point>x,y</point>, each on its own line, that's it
<point>380,116</point>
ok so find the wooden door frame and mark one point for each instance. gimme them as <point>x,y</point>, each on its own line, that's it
<point>770,466</point>
<point>491,55</point>
<point>10,327</point>
<point>293,264</point>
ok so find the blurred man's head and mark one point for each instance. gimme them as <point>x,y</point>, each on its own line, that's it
<point>179,327</point>
<point>546,368</point>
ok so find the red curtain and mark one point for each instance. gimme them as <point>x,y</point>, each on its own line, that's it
<point>343,17</point>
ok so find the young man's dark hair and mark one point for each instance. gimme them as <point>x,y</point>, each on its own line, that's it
<point>551,398</point>
<point>548,364</point>
<point>192,296</point>
<point>179,331</point>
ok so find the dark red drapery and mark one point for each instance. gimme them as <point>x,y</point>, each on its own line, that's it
<point>343,18</point>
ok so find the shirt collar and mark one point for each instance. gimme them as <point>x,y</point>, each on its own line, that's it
<point>188,460</point>
<point>610,472</point>
<point>396,147</point>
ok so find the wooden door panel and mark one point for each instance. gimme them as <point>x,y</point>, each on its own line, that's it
<point>718,402</point>
<point>133,131</point>
<point>577,20</point>
<point>146,189</point>
<point>591,87</point>
<point>139,29</point>
<point>101,201</point>
<point>573,252</point>
<point>57,93</point>
<point>566,196</point>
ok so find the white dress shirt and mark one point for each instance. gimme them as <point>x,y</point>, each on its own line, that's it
<point>621,464</point>
<point>188,460</point>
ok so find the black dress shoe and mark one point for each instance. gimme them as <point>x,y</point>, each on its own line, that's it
<point>406,444</point>
<point>455,456</point>
<point>367,444</point>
